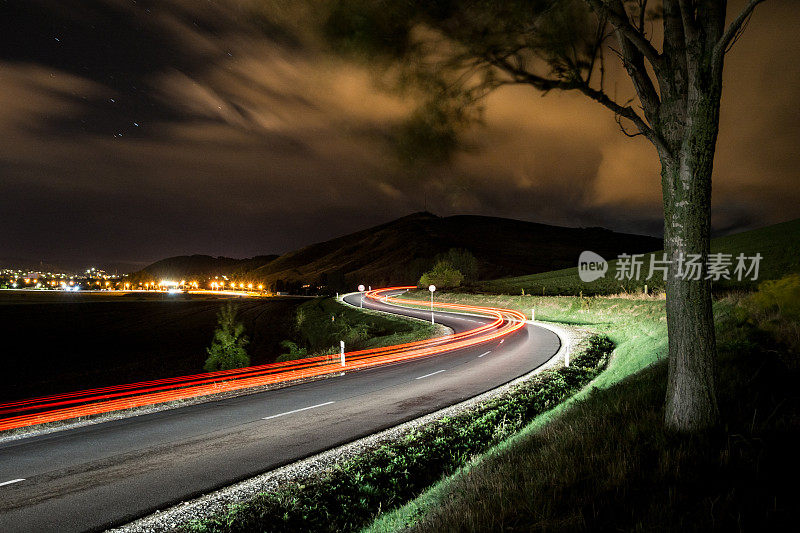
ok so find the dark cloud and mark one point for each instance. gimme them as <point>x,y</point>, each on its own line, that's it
<point>130,131</point>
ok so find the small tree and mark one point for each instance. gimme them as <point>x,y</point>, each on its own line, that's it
<point>227,349</point>
<point>461,260</point>
<point>442,275</point>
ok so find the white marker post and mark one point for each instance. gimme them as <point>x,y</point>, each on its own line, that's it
<point>341,346</point>
<point>566,357</point>
<point>533,315</point>
<point>432,288</point>
<point>361,290</point>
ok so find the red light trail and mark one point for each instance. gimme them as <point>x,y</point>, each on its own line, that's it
<point>90,402</point>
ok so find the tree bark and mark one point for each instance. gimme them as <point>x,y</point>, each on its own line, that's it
<point>691,402</point>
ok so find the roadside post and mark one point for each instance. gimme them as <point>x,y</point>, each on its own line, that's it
<point>432,288</point>
<point>533,315</point>
<point>361,290</point>
<point>341,346</point>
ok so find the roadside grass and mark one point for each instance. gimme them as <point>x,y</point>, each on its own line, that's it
<point>602,460</point>
<point>321,323</point>
<point>350,496</point>
<point>779,246</point>
<point>636,325</point>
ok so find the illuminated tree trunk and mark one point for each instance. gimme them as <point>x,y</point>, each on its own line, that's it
<point>691,402</point>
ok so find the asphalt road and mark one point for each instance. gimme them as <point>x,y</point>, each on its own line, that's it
<point>101,475</point>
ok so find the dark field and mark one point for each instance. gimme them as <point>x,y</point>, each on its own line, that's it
<point>58,342</point>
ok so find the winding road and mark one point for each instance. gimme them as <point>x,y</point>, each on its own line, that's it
<point>100,475</point>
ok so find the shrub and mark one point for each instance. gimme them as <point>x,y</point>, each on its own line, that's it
<point>291,351</point>
<point>442,275</point>
<point>775,309</point>
<point>461,260</point>
<point>227,349</point>
<point>782,296</point>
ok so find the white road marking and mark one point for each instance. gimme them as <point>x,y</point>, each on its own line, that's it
<point>487,353</point>
<point>297,410</point>
<point>12,481</point>
<point>429,375</point>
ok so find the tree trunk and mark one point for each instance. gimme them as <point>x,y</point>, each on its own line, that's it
<point>691,402</point>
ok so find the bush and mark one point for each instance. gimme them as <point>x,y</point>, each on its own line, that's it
<point>291,351</point>
<point>227,349</point>
<point>443,275</point>
<point>775,309</point>
<point>322,322</point>
<point>781,296</point>
<point>461,260</point>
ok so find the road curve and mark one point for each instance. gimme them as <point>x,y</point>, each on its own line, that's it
<point>97,476</point>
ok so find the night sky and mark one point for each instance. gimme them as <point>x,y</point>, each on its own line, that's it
<point>132,131</point>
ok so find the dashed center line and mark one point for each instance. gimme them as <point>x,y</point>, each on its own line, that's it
<point>487,353</point>
<point>12,481</point>
<point>431,374</point>
<point>297,410</point>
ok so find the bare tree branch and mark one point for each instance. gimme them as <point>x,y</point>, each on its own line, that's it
<point>621,22</point>
<point>633,61</point>
<point>626,112</point>
<point>624,131</point>
<point>722,45</point>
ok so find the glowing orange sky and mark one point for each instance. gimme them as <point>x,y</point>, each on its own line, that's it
<point>235,144</point>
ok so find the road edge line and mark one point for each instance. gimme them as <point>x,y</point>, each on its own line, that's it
<point>217,501</point>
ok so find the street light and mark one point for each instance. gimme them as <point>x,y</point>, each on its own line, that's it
<point>361,290</point>
<point>432,288</point>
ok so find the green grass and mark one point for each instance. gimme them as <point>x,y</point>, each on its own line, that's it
<point>779,246</point>
<point>636,325</point>
<point>603,461</point>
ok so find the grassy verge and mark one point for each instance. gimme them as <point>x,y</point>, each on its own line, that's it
<point>636,325</point>
<point>350,496</point>
<point>321,323</point>
<point>606,462</point>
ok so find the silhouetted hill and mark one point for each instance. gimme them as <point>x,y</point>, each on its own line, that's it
<point>199,266</point>
<point>398,252</point>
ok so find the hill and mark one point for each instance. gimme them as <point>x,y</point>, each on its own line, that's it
<point>398,252</point>
<point>779,246</point>
<point>199,266</point>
